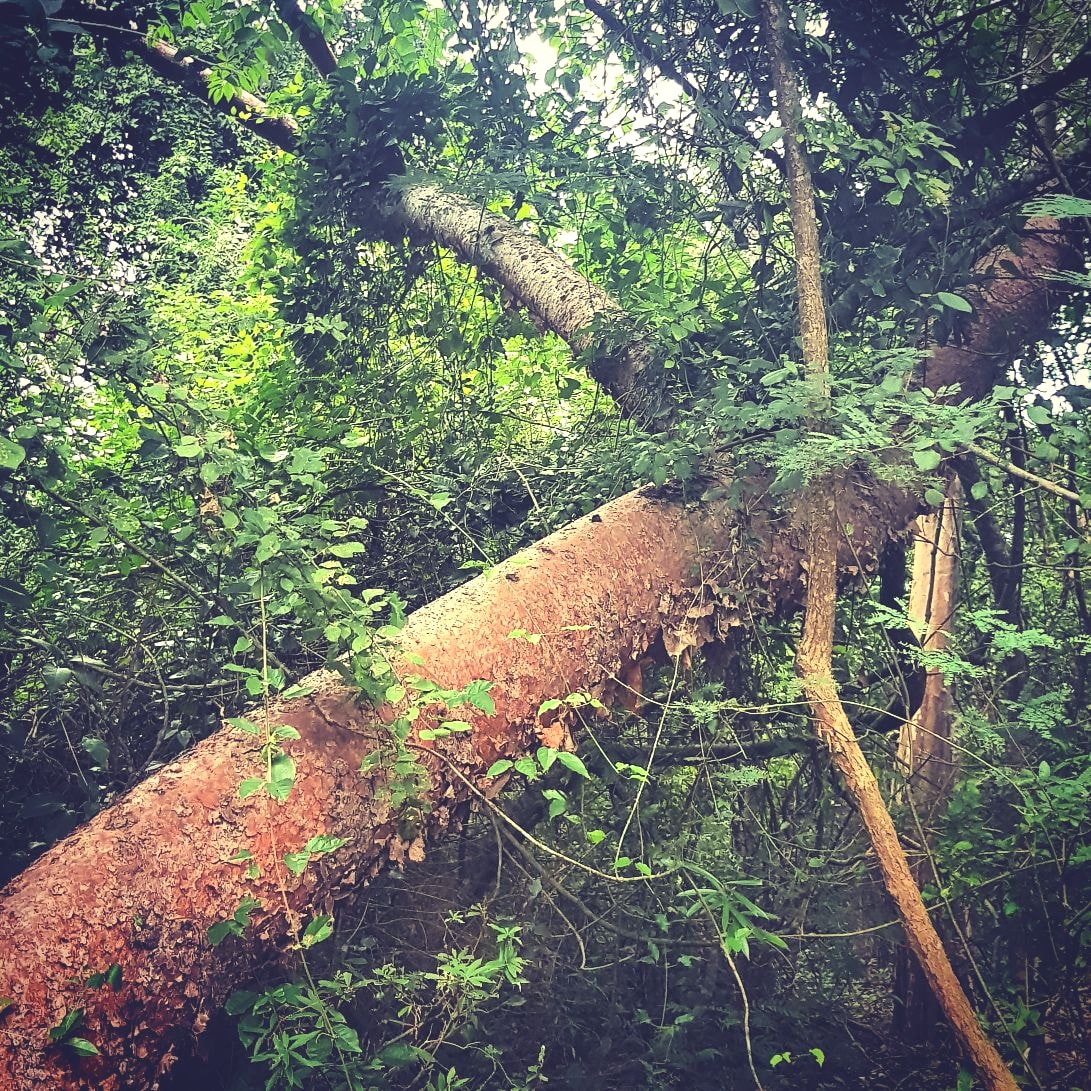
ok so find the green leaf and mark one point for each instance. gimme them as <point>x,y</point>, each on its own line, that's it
<point>249,786</point>
<point>477,693</point>
<point>928,459</point>
<point>243,724</point>
<point>68,1023</point>
<point>188,447</point>
<point>573,762</point>
<point>319,929</point>
<point>979,490</point>
<point>97,750</point>
<point>347,549</point>
<point>296,862</point>
<point>219,931</point>
<point>281,777</point>
<point>297,691</point>
<point>11,454</point>
<point>325,843</point>
<point>934,497</point>
<point>1059,205</point>
<point>498,767</point>
<point>241,1001</point>
<point>770,137</point>
<point>81,1047</point>
<point>955,302</point>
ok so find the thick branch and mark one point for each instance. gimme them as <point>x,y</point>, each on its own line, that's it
<point>539,278</point>
<point>248,110</point>
<point>534,274</point>
<point>310,38</point>
<point>1000,118</point>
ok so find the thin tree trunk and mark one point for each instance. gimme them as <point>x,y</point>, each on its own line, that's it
<point>924,745</point>
<point>814,658</point>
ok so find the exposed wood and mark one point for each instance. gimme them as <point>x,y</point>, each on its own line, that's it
<point>924,745</point>
<point>925,742</point>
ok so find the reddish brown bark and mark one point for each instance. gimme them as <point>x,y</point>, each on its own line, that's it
<point>141,884</point>
<point>1008,299</point>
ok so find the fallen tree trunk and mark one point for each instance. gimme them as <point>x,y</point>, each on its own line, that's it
<point>140,885</point>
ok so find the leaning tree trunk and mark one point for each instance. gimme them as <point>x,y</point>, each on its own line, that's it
<point>140,885</point>
<point>814,657</point>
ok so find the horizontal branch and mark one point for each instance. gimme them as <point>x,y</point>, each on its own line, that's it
<point>999,118</point>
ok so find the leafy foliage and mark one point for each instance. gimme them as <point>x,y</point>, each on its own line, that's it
<point>245,425</point>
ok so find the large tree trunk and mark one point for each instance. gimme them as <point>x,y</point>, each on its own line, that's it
<point>140,885</point>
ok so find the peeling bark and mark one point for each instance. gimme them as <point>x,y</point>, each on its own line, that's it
<point>141,884</point>
<point>924,746</point>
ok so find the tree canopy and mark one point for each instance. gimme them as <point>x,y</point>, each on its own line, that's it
<point>311,313</point>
